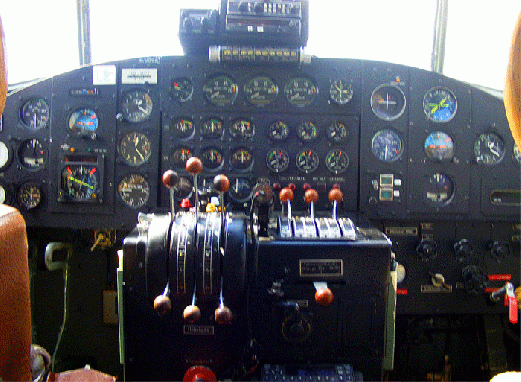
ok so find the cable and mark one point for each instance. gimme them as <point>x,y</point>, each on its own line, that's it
<point>65,313</point>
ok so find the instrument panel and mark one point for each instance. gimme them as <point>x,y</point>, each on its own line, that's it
<point>85,149</point>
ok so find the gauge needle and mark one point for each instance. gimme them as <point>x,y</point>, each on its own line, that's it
<point>439,106</point>
<point>81,182</point>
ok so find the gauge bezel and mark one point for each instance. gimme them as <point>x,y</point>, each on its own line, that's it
<point>424,104</point>
<point>38,125</point>
<point>270,98</point>
<point>174,93</point>
<point>239,134</point>
<point>211,135</point>
<point>495,161</point>
<point>271,129</point>
<point>335,139</point>
<point>240,168</point>
<point>129,176</point>
<point>343,169</point>
<point>83,132</point>
<point>437,159</point>
<point>142,115</point>
<point>207,149</point>
<point>125,157</point>
<point>447,201</point>
<point>221,102</point>
<point>340,100</point>
<point>315,165</point>
<point>306,100</point>
<point>393,116</point>
<point>301,127</point>
<point>19,155</point>
<point>277,170</point>
<point>396,135</point>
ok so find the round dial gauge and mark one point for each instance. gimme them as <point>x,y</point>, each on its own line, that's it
<point>183,128</point>
<point>388,102</point>
<point>517,156</point>
<point>439,189</point>
<point>84,122</point>
<point>337,161</point>
<point>241,189</point>
<point>136,106</point>
<point>181,89</point>
<point>212,159</point>
<point>35,114</point>
<point>277,160</point>
<point>5,156</point>
<point>439,104</point>
<point>307,131</point>
<point>220,90</point>
<point>212,128</point>
<point>338,132</point>
<point>30,196</point>
<point>31,154</point>
<point>134,190</point>
<point>307,161</point>
<point>300,91</point>
<point>241,159</point>
<point>80,183</point>
<point>242,128</point>
<point>135,148</point>
<point>180,155</point>
<point>439,146</point>
<point>260,91</point>
<point>341,91</point>
<point>387,146</point>
<point>278,130</point>
<point>489,149</point>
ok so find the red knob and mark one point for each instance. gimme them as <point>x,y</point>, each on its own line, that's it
<point>286,194</point>
<point>170,179</point>
<point>335,194</point>
<point>191,314</point>
<point>194,166</point>
<point>162,305</point>
<point>221,183</point>
<point>199,373</point>
<point>324,296</point>
<point>311,195</point>
<point>292,187</point>
<point>223,315</point>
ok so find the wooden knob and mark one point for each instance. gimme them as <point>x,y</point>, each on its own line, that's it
<point>162,305</point>
<point>170,179</point>
<point>335,194</point>
<point>194,166</point>
<point>221,183</point>
<point>223,315</point>
<point>191,314</point>
<point>286,194</point>
<point>311,195</point>
<point>324,296</point>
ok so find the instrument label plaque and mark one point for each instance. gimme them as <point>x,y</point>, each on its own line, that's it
<point>321,268</point>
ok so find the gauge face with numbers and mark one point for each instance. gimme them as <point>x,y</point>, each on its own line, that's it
<point>387,145</point>
<point>277,160</point>
<point>134,190</point>
<point>300,91</point>
<point>29,196</point>
<point>35,114</point>
<point>307,161</point>
<point>136,106</point>
<point>220,90</point>
<point>135,148</point>
<point>489,149</point>
<point>31,154</point>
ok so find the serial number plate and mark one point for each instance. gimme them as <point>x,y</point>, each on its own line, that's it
<point>321,267</point>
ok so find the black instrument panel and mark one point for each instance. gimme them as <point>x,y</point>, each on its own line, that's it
<point>86,149</point>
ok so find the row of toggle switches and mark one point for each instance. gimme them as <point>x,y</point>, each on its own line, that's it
<point>308,228</point>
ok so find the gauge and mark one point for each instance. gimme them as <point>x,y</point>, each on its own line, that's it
<point>5,156</point>
<point>241,159</point>
<point>212,159</point>
<point>337,161</point>
<point>31,154</point>
<point>212,128</point>
<point>180,155</point>
<point>307,161</point>
<point>241,189</point>
<point>136,106</point>
<point>278,130</point>
<point>387,146</point>
<point>35,114</point>
<point>134,148</point>
<point>517,156</point>
<point>183,128</point>
<point>5,193</point>
<point>439,104</point>
<point>300,91</point>
<point>220,90</point>
<point>134,190</point>
<point>80,183</point>
<point>489,149</point>
<point>307,131</point>
<point>84,122</point>
<point>439,189</point>
<point>277,160</point>
<point>242,128</point>
<point>30,195</point>
<point>261,91</point>
<point>439,146</point>
<point>338,132</point>
<point>388,102</point>
<point>182,89</point>
<point>341,91</point>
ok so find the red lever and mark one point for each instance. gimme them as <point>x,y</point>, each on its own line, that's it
<point>199,374</point>
<point>324,296</point>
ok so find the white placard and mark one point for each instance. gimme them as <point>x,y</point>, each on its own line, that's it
<point>139,76</point>
<point>104,75</point>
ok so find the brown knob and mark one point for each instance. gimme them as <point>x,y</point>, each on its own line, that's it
<point>194,166</point>
<point>191,314</point>
<point>311,195</point>
<point>324,296</point>
<point>335,194</point>
<point>221,183</point>
<point>223,315</point>
<point>170,179</point>
<point>286,194</point>
<point>162,305</point>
